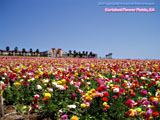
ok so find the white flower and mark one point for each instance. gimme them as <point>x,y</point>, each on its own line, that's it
<point>143,78</point>
<point>60,111</point>
<point>88,83</point>
<point>38,87</point>
<point>141,87</point>
<point>54,83</point>
<point>1,83</point>
<point>113,76</point>
<point>157,82</point>
<point>80,91</point>
<point>115,90</point>
<point>60,87</point>
<point>127,76</point>
<point>72,106</point>
<point>72,82</point>
<point>50,90</point>
<point>30,74</point>
<point>128,83</point>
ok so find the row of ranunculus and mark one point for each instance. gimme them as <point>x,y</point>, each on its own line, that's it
<point>82,88</point>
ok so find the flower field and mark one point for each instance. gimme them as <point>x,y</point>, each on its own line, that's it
<point>82,89</point>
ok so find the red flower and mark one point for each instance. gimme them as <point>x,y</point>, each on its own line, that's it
<point>99,89</point>
<point>114,96</point>
<point>133,94</point>
<point>154,82</point>
<point>48,84</point>
<point>138,102</point>
<point>155,114</point>
<point>143,82</point>
<point>73,96</point>
<point>104,99</point>
<point>3,86</point>
<point>118,80</point>
<point>106,94</point>
<point>150,85</point>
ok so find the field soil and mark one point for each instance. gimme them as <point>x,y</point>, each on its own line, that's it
<point>11,114</point>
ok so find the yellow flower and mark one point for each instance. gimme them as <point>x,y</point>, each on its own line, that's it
<point>149,93</point>
<point>75,117</point>
<point>89,98</point>
<point>32,79</point>
<point>63,81</point>
<point>59,82</point>
<point>156,66</point>
<point>93,90</point>
<point>86,94</point>
<point>89,92</point>
<point>93,95</point>
<point>125,81</point>
<point>47,95</point>
<point>142,113</point>
<point>24,107</point>
<point>83,105</point>
<point>76,74</point>
<point>105,103</point>
<point>139,109</point>
<point>17,84</point>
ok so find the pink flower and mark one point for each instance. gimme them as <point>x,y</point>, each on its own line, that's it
<point>64,117</point>
<point>130,103</point>
<point>148,113</point>
<point>144,92</point>
<point>155,102</point>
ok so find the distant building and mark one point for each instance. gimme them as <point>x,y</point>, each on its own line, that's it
<point>49,53</point>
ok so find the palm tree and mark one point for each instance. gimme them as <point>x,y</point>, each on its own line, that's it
<point>74,52</point>
<point>110,55</point>
<point>70,51</point>
<point>83,52</point>
<point>16,50</point>
<point>90,54</point>
<point>80,54</point>
<point>86,53</point>
<point>107,56</point>
<point>7,49</point>
<point>23,51</point>
<point>37,51</point>
<point>30,50</point>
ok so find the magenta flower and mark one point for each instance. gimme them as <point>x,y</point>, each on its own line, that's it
<point>64,117</point>
<point>144,92</point>
<point>155,102</point>
<point>148,113</point>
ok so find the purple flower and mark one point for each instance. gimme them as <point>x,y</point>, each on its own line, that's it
<point>155,102</point>
<point>148,113</point>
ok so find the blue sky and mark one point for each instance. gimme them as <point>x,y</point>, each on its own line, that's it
<point>80,25</point>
